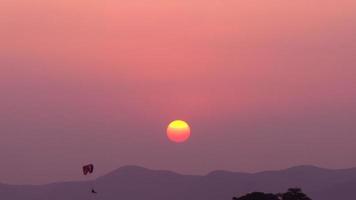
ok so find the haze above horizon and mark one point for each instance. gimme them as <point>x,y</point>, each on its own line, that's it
<point>263,85</point>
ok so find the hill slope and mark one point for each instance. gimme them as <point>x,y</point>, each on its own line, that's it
<point>137,183</point>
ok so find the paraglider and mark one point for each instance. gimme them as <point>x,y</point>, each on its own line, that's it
<point>87,170</point>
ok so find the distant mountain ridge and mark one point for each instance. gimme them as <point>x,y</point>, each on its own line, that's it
<point>137,183</point>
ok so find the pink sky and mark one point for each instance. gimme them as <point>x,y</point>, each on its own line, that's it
<point>264,85</point>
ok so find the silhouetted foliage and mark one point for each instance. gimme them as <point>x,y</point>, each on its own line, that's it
<point>294,194</point>
<point>291,194</point>
<point>258,196</point>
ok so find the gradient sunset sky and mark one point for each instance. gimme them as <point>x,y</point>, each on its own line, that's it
<point>263,84</point>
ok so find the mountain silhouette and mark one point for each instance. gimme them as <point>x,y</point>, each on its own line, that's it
<point>137,183</point>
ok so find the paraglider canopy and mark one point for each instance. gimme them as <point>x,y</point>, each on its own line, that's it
<point>88,169</point>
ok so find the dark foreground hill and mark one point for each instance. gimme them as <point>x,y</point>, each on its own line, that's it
<point>136,183</point>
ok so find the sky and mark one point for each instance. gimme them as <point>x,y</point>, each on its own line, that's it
<point>263,84</point>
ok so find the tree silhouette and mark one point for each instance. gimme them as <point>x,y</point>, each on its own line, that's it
<point>258,196</point>
<point>291,194</point>
<point>294,194</point>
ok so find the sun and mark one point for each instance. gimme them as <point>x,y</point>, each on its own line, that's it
<point>178,131</point>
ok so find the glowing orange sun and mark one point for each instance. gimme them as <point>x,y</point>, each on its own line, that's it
<point>178,131</point>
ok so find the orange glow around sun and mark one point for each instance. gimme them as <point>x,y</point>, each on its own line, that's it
<point>178,131</point>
